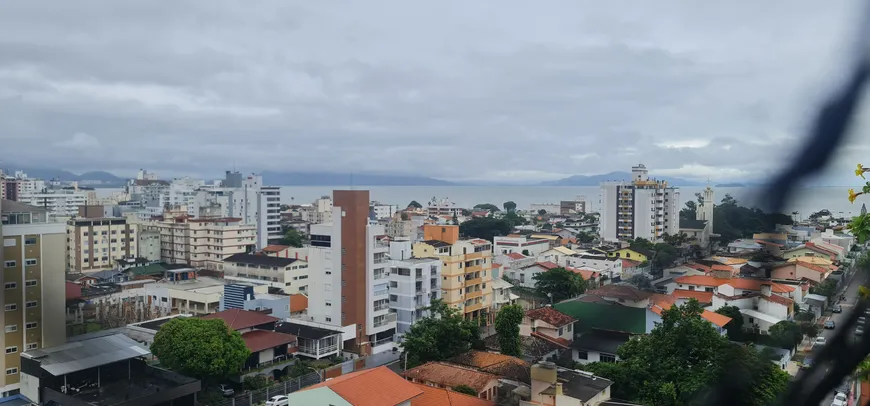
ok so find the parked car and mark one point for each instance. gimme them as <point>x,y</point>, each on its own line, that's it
<point>830,325</point>
<point>808,362</point>
<point>279,400</point>
<point>841,397</point>
<point>837,309</point>
<point>859,330</point>
<point>862,320</point>
<point>819,341</point>
<point>226,389</point>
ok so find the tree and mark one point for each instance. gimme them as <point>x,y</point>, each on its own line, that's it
<point>690,212</point>
<point>203,348</point>
<point>641,244</point>
<point>415,204</point>
<point>292,238</point>
<point>547,226</point>
<point>444,334</point>
<point>684,361</point>
<point>641,282</point>
<point>405,216</point>
<point>526,253</point>
<point>827,288</point>
<point>542,212</point>
<point>735,326</point>
<point>510,206</point>
<point>665,255</point>
<point>786,334</point>
<point>455,220</point>
<point>560,284</point>
<point>585,238</point>
<point>507,325</point>
<point>488,207</point>
<point>465,389</point>
<point>485,228</point>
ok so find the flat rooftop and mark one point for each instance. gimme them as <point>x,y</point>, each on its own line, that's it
<point>201,285</point>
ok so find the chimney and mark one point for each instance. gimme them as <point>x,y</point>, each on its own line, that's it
<point>544,371</point>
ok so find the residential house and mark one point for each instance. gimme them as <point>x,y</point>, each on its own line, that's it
<point>314,340</point>
<point>553,239</point>
<point>512,263</point>
<point>549,324</point>
<point>526,276</point>
<point>608,266</point>
<point>106,369</point>
<point>762,303</point>
<point>258,331</point>
<point>558,255</point>
<point>501,294</point>
<point>637,254</point>
<point>556,386</point>
<point>505,366</point>
<point>659,303</point>
<point>447,375</point>
<point>841,240</point>
<point>531,247</point>
<point>815,269</point>
<point>598,346</point>
<point>287,274</point>
<point>744,246</point>
<point>816,248</point>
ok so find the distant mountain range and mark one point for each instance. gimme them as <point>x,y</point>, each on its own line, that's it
<point>595,180</point>
<point>100,177</point>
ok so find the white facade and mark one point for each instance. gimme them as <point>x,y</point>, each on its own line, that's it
<point>641,208</point>
<point>149,244</point>
<point>59,202</point>
<point>414,283</point>
<point>384,211</point>
<point>268,216</point>
<point>611,267</point>
<point>507,245</point>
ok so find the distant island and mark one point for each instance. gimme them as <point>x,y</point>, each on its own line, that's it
<point>595,180</point>
<point>730,185</point>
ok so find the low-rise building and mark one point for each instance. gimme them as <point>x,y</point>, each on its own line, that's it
<point>313,340</point>
<point>552,385</point>
<point>288,274</point>
<point>520,245</point>
<point>447,375</point>
<point>549,324</point>
<point>257,329</point>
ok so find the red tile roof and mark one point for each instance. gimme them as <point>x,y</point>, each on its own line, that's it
<point>547,265</point>
<point>560,342</point>
<point>259,340</point>
<point>442,397</point>
<point>516,255</point>
<point>275,248</point>
<point>367,387</point>
<point>449,375</point>
<point>703,297</point>
<point>238,319</point>
<point>628,263</point>
<point>718,319</point>
<point>585,273</point>
<point>699,267</point>
<point>550,316</point>
<point>725,268</point>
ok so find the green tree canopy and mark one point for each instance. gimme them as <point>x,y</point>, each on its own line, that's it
<point>465,389</point>
<point>786,334</point>
<point>584,237</point>
<point>542,212</point>
<point>206,349</point>
<point>735,326</point>
<point>509,206</point>
<point>683,361</point>
<point>485,228</point>
<point>507,325</point>
<point>415,204</point>
<point>827,288</point>
<point>488,207</point>
<point>560,284</point>
<point>292,238</point>
<point>546,226</point>
<point>444,334</point>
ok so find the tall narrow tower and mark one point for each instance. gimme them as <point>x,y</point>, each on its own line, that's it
<point>705,212</point>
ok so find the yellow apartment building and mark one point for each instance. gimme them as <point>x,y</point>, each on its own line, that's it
<point>34,286</point>
<point>466,273</point>
<point>202,243</point>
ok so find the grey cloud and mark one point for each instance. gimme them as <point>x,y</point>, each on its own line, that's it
<point>447,89</point>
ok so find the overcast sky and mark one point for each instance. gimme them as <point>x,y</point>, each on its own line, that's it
<point>496,90</point>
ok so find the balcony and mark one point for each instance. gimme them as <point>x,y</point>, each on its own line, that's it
<point>382,306</point>
<point>386,320</point>
<point>475,294</point>
<point>381,275</point>
<point>474,307</point>
<point>383,341</point>
<point>473,281</point>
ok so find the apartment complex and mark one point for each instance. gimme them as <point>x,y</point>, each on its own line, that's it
<point>33,295</point>
<point>642,208</point>
<point>414,284</point>
<point>287,274</point>
<point>349,275</point>
<point>202,243</point>
<point>96,243</point>
<point>269,212</point>
<point>13,186</point>
<point>466,273</point>
<point>59,202</point>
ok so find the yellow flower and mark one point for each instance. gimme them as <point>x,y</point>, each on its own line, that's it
<point>860,171</point>
<point>853,195</point>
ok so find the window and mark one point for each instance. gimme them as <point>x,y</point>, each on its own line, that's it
<point>31,325</point>
<point>30,304</point>
<point>560,331</point>
<point>30,262</point>
<point>11,371</point>
<point>328,304</point>
<point>30,241</point>
<point>608,358</point>
<point>32,346</point>
<point>328,319</point>
<point>11,350</point>
<point>10,285</point>
<point>582,355</point>
<point>9,264</point>
<point>12,328</point>
<point>30,282</point>
<point>12,306</point>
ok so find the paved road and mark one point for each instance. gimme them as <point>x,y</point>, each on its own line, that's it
<point>839,319</point>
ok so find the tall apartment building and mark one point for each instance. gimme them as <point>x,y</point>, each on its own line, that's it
<point>59,203</point>
<point>414,284</point>
<point>34,287</point>
<point>96,243</point>
<point>642,208</point>
<point>349,275</point>
<point>202,243</point>
<point>320,211</point>
<point>269,216</point>
<point>466,273</point>
<point>13,186</point>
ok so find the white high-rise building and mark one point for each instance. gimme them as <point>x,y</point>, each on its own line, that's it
<point>414,284</point>
<point>645,208</point>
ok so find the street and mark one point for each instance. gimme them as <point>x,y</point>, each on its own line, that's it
<point>839,319</point>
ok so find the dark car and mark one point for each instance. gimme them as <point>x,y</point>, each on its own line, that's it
<point>830,325</point>
<point>837,309</point>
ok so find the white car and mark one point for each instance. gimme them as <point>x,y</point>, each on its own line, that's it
<point>279,400</point>
<point>820,341</point>
<point>839,400</point>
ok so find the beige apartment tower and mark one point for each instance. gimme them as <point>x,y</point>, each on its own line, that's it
<point>204,242</point>
<point>96,243</point>
<point>34,286</point>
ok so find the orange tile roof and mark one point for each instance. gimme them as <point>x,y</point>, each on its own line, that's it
<point>366,387</point>
<point>550,316</point>
<point>703,297</point>
<point>516,255</point>
<point>718,319</point>
<point>547,265</point>
<point>275,248</point>
<point>238,319</point>
<point>698,267</point>
<point>755,284</point>
<point>817,268</point>
<point>701,280</point>
<point>442,397</point>
<point>660,303</point>
<point>778,299</point>
<point>629,263</point>
<point>298,302</point>
<point>585,273</point>
<point>559,341</point>
<point>495,363</point>
<point>719,267</point>
<point>449,375</point>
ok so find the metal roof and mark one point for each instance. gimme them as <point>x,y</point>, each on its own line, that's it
<point>80,355</point>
